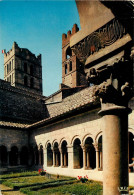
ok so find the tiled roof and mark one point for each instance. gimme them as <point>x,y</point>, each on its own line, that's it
<point>71,103</point>
<point>11,124</point>
<point>74,101</point>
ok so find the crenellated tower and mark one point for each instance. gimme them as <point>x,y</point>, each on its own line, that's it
<point>72,69</point>
<point>23,69</point>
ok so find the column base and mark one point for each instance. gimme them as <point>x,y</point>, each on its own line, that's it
<point>88,168</point>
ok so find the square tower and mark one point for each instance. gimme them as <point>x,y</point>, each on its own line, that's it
<point>73,74</point>
<point>23,69</point>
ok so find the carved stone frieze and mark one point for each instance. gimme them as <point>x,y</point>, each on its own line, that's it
<point>101,38</point>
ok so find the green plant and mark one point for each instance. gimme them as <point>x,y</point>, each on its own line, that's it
<point>42,172</point>
<point>83,179</point>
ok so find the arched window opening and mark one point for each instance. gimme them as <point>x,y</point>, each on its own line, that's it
<point>3,156</point>
<point>100,147</point>
<point>25,67</point>
<point>90,154</point>
<point>31,69</point>
<point>70,66</point>
<point>24,156</point>
<point>64,154</point>
<point>65,68</point>
<point>131,152</point>
<point>25,80</point>
<point>13,157</point>
<point>68,53</point>
<point>31,82</point>
<point>7,68</point>
<point>12,64</point>
<point>49,155</point>
<point>56,155</point>
<point>77,154</point>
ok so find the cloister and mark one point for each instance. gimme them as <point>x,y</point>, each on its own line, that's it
<point>87,154</point>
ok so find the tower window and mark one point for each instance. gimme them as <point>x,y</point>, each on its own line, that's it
<point>7,68</point>
<point>70,66</point>
<point>31,69</point>
<point>31,82</point>
<point>25,80</point>
<point>25,67</point>
<point>65,68</point>
<point>68,53</point>
<point>12,64</point>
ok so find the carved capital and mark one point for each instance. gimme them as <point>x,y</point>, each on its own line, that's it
<point>96,147</point>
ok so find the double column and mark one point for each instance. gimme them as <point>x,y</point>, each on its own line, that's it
<point>86,158</point>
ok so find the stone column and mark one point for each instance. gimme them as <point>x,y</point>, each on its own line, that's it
<point>45,156</point>
<point>61,157</point>
<point>65,159</point>
<point>56,157</point>
<point>53,158</point>
<point>88,160</point>
<point>115,149</point>
<point>115,90</point>
<point>97,155</point>
<point>70,157</point>
<point>84,157</point>
<point>101,160</point>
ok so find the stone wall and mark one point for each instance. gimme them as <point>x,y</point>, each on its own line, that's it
<point>19,105</point>
<point>12,137</point>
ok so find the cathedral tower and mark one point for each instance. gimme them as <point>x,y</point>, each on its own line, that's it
<point>23,69</point>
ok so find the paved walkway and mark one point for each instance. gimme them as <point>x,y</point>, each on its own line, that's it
<point>4,190</point>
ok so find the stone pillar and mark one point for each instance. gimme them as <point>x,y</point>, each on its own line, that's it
<point>53,158</point>
<point>88,160</point>
<point>115,150</point>
<point>101,160</point>
<point>61,157</point>
<point>70,157</point>
<point>114,90</point>
<point>56,157</point>
<point>65,159</point>
<point>45,157</point>
<point>84,156</point>
<point>97,155</point>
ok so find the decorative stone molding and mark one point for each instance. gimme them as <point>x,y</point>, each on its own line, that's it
<point>101,38</point>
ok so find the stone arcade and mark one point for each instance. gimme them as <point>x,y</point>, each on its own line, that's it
<point>63,132</point>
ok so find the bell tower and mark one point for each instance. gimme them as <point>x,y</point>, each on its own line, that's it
<point>23,69</point>
<point>73,74</point>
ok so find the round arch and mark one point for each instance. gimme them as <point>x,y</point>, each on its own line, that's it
<point>98,136</point>
<point>85,137</point>
<point>73,139</point>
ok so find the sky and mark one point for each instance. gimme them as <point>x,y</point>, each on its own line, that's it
<point>38,26</point>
